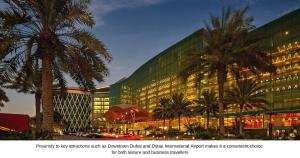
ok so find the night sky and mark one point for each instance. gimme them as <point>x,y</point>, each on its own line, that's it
<point>134,31</point>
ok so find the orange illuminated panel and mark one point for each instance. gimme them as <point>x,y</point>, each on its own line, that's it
<point>229,122</point>
<point>253,122</point>
<point>285,119</point>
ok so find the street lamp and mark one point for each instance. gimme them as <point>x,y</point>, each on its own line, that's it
<point>132,112</point>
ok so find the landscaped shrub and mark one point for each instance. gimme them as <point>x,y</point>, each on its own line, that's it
<point>150,128</point>
<point>196,130</point>
<point>241,136</point>
<point>193,128</point>
<point>29,135</point>
<point>44,135</point>
<point>5,135</point>
<point>204,135</point>
<point>256,134</point>
<point>174,132</point>
<point>232,130</point>
<point>13,135</point>
<point>268,138</point>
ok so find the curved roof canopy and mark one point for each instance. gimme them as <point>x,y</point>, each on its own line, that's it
<point>122,113</point>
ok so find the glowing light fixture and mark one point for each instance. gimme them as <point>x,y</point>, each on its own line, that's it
<point>286,33</point>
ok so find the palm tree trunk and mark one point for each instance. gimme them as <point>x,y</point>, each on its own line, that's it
<point>179,122</point>
<point>47,94</point>
<point>164,125</point>
<point>207,121</point>
<point>240,122</point>
<point>38,96</point>
<point>221,76</point>
<point>236,124</point>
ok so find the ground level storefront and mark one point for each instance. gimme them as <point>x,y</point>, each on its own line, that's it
<point>277,122</point>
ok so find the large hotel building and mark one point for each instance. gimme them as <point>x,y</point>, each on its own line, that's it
<point>158,77</point>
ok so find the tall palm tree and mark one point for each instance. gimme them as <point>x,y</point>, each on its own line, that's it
<point>30,83</point>
<point>58,120</point>
<point>4,78</point>
<point>170,114</point>
<point>180,105</point>
<point>229,48</point>
<point>55,32</point>
<point>160,112</point>
<point>247,94</point>
<point>28,80</point>
<point>3,98</point>
<point>207,104</point>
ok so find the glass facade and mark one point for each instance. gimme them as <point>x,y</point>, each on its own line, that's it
<point>100,105</point>
<point>158,77</point>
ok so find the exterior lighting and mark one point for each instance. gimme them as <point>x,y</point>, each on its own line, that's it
<point>147,94</point>
<point>286,33</point>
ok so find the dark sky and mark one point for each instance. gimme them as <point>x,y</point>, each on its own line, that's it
<point>136,30</point>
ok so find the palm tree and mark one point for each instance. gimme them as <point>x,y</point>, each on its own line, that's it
<point>160,112</point>
<point>3,98</point>
<point>207,104</point>
<point>31,84</point>
<point>4,78</point>
<point>28,80</point>
<point>180,105</point>
<point>58,120</point>
<point>55,32</point>
<point>247,94</point>
<point>229,48</point>
<point>170,114</point>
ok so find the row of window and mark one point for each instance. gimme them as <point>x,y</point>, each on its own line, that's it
<point>106,99</point>
<point>100,103</point>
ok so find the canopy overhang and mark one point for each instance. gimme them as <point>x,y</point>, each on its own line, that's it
<point>126,113</point>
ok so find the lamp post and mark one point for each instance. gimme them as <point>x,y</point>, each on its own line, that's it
<point>132,112</point>
<point>133,116</point>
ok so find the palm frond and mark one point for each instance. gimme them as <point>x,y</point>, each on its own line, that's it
<point>247,94</point>
<point>3,98</point>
